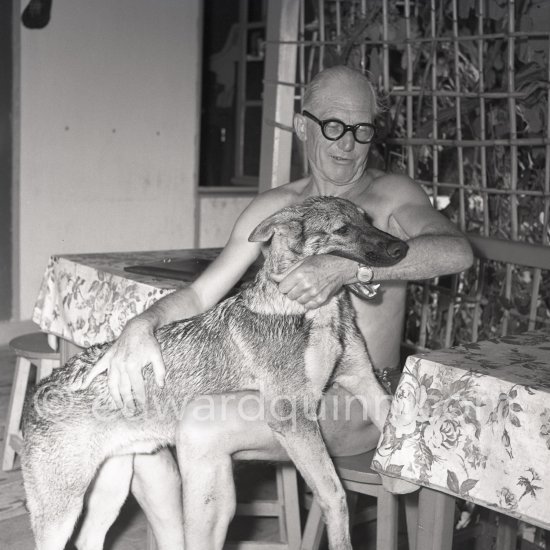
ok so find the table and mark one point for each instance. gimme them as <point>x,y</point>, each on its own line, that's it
<point>474,422</point>
<point>87,299</point>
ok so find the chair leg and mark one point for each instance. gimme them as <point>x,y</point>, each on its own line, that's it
<point>352,497</point>
<point>279,482</point>
<point>314,529</point>
<point>411,515</point>
<point>151,542</point>
<point>386,522</point>
<point>507,532</point>
<point>287,489</point>
<point>435,520</point>
<point>15,409</point>
<point>44,367</point>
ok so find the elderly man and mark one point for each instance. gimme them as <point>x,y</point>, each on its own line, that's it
<point>336,126</point>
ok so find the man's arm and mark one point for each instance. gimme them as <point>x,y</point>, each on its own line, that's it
<point>436,247</point>
<point>137,346</point>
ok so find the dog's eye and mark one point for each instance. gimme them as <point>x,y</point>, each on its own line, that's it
<point>344,230</point>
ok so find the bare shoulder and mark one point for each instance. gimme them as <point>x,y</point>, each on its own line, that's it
<point>239,253</point>
<point>398,189</point>
<point>267,203</point>
<point>403,207</point>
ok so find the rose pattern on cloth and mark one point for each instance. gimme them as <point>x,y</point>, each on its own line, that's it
<point>88,298</point>
<point>545,426</point>
<point>474,421</point>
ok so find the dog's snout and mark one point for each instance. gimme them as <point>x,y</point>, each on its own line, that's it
<point>397,249</point>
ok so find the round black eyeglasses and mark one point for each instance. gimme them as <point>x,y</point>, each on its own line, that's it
<point>333,129</point>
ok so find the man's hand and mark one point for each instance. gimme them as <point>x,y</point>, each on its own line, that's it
<point>315,279</point>
<point>135,348</point>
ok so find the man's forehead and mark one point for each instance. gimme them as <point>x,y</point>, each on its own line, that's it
<point>335,99</point>
<point>344,113</point>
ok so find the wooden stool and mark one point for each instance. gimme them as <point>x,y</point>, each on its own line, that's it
<point>286,508</point>
<point>30,349</point>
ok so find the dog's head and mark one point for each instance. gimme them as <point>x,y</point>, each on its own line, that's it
<point>327,225</point>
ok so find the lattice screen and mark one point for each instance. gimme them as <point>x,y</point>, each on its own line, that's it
<point>466,92</point>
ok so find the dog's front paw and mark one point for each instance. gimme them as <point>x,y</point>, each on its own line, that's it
<point>398,486</point>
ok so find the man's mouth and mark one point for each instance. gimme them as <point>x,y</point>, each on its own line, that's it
<point>340,159</point>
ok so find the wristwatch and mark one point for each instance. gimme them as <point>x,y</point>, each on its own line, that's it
<point>364,289</point>
<point>365,274</point>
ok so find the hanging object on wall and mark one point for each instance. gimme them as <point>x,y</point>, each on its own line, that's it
<point>37,14</point>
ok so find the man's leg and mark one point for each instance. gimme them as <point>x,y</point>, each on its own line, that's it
<point>105,499</point>
<point>157,487</point>
<point>211,431</point>
<point>216,429</point>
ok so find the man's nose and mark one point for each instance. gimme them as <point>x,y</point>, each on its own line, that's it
<point>347,141</point>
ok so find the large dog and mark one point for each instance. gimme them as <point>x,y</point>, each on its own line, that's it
<point>257,339</point>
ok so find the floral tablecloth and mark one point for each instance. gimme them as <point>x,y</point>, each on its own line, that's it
<point>474,422</point>
<point>88,298</point>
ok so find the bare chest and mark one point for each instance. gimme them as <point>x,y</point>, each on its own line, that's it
<point>381,322</point>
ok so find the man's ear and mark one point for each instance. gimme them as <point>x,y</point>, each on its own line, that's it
<point>299,122</point>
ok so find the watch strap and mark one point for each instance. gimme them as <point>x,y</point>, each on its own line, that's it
<point>365,291</point>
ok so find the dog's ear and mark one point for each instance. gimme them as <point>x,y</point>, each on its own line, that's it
<point>283,222</point>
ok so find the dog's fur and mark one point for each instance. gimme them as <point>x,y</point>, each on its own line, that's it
<point>257,339</point>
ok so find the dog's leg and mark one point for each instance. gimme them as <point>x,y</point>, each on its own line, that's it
<point>105,499</point>
<point>355,373</point>
<point>58,465</point>
<point>293,420</point>
<point>54,535</point>
<point>53,509</point>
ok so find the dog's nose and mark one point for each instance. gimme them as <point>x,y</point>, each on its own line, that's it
<point>397,249</point>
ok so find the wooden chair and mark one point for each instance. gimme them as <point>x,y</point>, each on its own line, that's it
<point>285,507</point>
<point>358,478</point>
<point>30,349</point>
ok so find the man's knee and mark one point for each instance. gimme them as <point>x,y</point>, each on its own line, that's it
<point>345,427</point>
<point>206,424</point>
<point>153,471</point>
<point>194,434</point>
<point>222,424</point>
<point>113,479</point>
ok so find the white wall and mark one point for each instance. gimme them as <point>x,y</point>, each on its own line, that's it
<point>110,103</point>
<point>218,214</point>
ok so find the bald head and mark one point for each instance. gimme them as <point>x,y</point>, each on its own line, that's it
<point>338,81</point>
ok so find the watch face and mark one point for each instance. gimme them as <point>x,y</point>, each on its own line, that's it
<point>364,274</point>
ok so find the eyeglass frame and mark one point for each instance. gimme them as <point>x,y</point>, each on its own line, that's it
<point>347,127</point>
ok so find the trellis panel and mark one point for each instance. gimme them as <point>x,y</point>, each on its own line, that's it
<point>465,97</point>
